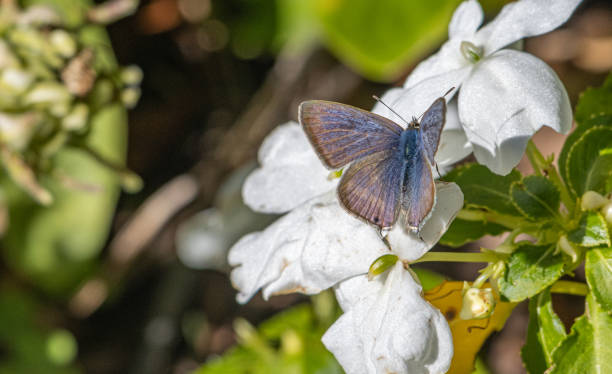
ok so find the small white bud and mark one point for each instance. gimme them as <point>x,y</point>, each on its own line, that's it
<point>77,119</point>
<point>48,92</point>
<point>477,303</point>
<point>130,97</point>
<point>16,80</point>
<point>131,75</point>
<point>470,51</point>
<point>607,212</point>
<point>591,200</point>
<point>564,245</point>
<point>63,43</point>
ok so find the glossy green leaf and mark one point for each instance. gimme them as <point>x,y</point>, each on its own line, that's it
<point>485,189</point>
<point>530,269</point>
<point>532,352</point>
<point>591,232</point>
<point>598,270</point>
<point>551,331</point>
<point>536,197</point>
<point>588,348</point>
<point>587,167</point>
<point>380,38</point>
<point>594,101</point>
<point>463,231</point>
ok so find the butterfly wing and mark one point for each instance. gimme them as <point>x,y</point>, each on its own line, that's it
<point>431,127</point>
<point>370,187</point>
<point>342,133</point>
<point>418,188</point>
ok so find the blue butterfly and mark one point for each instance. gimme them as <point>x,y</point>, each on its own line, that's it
<point>391,167</point>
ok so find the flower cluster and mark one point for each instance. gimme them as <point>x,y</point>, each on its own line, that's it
<point>52,83</point>
<point>504,97</point>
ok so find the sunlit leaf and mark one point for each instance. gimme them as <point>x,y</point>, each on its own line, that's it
<point>598,270</point>
<point>530,269</point>
<point>536,197</point>
<point>591,232</point>
<point>594,101</point>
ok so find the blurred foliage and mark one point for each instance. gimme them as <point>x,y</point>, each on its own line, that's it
<point>28,346</point>
<point>63,176</point>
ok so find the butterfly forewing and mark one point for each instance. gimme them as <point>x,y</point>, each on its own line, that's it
<point>341,133</point>
<point>370,187</point>
<point>431,127</point>
<point>418,188</point>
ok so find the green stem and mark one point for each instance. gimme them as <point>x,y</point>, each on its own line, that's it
<point>541,166</point>
<point>570,287</point>
<point>457,257</point>
<point>480,215</point>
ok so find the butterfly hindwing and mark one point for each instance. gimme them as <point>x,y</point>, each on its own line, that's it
<point>418,188</point>
<point>342,133</point>
<point>431,127</point>
<point>370,187</point>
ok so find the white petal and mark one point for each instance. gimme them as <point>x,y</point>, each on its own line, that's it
<point>522,19</point>
<point>507,98</point>
<point>454,145</point>
<point>388,327</point>
<point>408,246</point>
<point>389,98</point>
<point>466,20</point>
<point>308,250</point>
<point>414,101</point>
<point>448,59</point>
<point>290,172</point>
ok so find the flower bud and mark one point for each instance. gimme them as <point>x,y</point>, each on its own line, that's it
<point>77,119</point>
<point>79,75</point>
<point>591,200</point>
<point>63,43</point>
<point>16,80</point>
<point>130,97</point>
<point>564,245</point>
<point>470,51</point>
<point>131,75</point>
<point>380,265</point>
<point>477,303</point>
<point>607,212</point>
<point>48,92</point>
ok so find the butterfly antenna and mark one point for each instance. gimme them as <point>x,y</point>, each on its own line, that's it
<point>388,107</point>
<point>447,92</point>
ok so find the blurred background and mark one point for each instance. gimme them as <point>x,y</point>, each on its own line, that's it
<point>98,281</point>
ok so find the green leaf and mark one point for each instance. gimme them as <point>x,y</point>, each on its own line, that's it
<point>463,231</point>
<point>598,269</point>
<point>532,352</point>
<point>380,38</point>
<point>486,190</point>
<point>530,269</point>
<point>591,232</point>
<point>588,348</point>
<point>594,101</point>
<point>536,197</point>
<point>551,331</point>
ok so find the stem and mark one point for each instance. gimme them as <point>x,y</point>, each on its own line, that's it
<point>541,166</point>
<point>570,288</point>
<point>481,215</point>
<point>457,257</point>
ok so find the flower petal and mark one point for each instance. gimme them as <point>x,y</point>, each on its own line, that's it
<point>506,99</point>
<point>454,145</point>
<point>409,246</point>
<point>448,59</point>
<point>308,250</point>
<point>467,18</point>
<point>290,172</point>
<point>522,19</point>
<point>388,327</point>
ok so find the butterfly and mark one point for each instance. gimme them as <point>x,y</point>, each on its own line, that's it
<point>390,167</point>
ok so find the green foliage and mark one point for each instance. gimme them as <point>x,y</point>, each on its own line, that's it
<point>289,342</point>
<point>588,348</point>
<point>595,102</point>
<point>485,190</point>
<point>380,38</point>
<point>592,231</point>
<point>536,198</point>
<point>598,270</point>
<point>530,269</point>
<point>463,231</point>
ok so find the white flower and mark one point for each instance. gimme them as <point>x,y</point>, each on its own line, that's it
<point>505,95</point>
<point>318,245</point>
